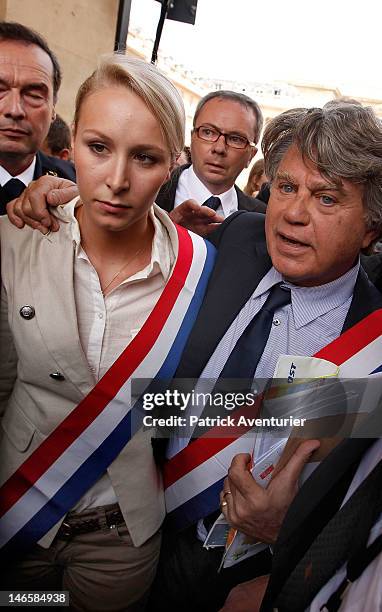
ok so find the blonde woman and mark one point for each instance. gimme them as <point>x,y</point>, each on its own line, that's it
<point>81,498</point>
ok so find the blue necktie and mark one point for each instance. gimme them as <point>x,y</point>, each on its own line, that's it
<point>14,188</point>
<point>10,191</point>
<point>246,354</point>
<point>212,202</point>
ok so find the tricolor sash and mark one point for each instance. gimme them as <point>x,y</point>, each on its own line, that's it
<point>79,450</point>
<point>194,477</point>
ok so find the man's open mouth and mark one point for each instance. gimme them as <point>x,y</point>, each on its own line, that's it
<point>293,241</point>
<point>215,165</point>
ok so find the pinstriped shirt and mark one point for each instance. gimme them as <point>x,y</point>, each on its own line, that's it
<point>312,320</point>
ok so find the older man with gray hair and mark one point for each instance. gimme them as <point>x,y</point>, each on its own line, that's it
<point>325,167</point>
<point>325,207</point>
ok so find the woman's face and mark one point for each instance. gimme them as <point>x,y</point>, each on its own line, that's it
<point>121,158</point>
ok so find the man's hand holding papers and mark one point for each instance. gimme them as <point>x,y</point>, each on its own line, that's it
<point>256,511</point>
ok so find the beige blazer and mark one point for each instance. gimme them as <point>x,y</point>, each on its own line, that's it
<point>37,271</point>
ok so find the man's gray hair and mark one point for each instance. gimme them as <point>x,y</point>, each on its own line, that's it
<point>240,98</point>
<point>343,140</point>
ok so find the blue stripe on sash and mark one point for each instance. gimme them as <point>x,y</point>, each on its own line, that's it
<point>73,489</point>
<point>196,508</point>
<point>169,367</point>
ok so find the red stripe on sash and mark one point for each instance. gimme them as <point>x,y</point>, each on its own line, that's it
<point>353,340</point>
<point>183,462</point>
<point>206,446</point>
<point>98,398</point>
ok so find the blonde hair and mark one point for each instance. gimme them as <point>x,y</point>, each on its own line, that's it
<point>145,80</point>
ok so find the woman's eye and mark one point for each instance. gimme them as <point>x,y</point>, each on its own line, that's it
<point>327,200</point>
<point>145,159</point>
<point>97,147</point>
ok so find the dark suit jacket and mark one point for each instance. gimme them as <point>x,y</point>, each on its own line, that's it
<point>45,164</point>
<point>373,266</point>
<point>317,501</point>
<point>166,196</point>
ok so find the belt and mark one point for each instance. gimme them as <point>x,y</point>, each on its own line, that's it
<point>72,527</point>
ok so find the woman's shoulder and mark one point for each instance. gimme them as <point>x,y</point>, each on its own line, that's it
<point>15,246</point>
<point>14,239</point>
<point>64,215</point>
<point>10,231</point>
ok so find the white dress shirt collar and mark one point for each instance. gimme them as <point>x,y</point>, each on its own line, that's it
<point>25,177</point>
<point>190,186</point>
<point>309,303</point>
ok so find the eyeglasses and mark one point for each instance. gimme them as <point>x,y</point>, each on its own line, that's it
<point>210,134</point>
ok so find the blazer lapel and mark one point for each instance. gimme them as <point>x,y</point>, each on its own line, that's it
<point>51,277</point>
<point>38,167</point>
<point>248,203</point>
<point>366,299</point>
<point>240,199</point>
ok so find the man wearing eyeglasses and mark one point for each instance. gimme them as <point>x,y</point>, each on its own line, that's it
<point>227,126</point>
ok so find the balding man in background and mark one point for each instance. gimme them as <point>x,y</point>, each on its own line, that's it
<point>227,126</point>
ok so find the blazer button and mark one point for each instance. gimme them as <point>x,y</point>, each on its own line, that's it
<point>57,376</point>
<point>27,312</point>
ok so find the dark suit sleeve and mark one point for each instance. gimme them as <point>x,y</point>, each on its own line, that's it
<point>66,169</point>
<point>241,223</point>
<point>372,264</point>
<point>218,234</point>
